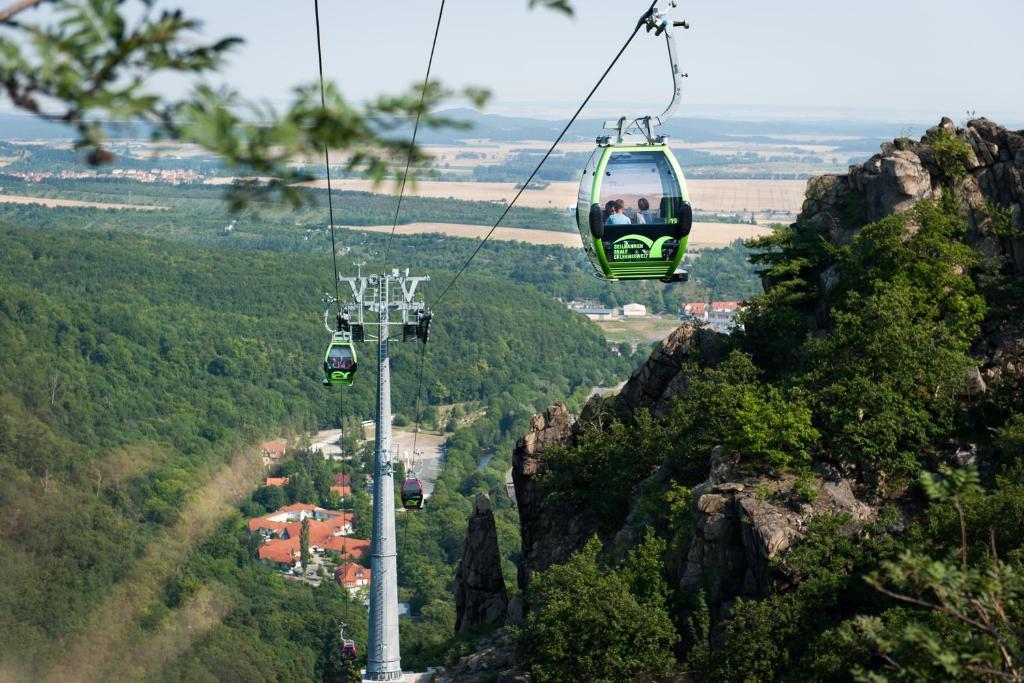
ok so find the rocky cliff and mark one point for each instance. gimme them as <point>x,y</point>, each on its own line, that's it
<point>988,185</point>
<point>480,595</point>
<point>549,532</point>
<point>742,522</point>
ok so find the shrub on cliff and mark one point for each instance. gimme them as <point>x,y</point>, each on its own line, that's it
<point>888,377</point>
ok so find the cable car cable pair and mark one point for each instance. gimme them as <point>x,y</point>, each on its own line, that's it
<point>547,154</point>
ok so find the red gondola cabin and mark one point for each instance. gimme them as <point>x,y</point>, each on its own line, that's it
<point>412,494</point>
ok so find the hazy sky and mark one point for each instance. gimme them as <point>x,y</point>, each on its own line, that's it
<point>886,59</point>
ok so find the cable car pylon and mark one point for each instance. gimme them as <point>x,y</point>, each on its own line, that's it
<point>391,297</point>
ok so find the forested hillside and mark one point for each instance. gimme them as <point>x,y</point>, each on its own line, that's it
<point>135,375</point>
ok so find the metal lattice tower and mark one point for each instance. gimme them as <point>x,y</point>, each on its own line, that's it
<point>388,293</point>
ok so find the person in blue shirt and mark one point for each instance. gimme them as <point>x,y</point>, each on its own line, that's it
<point>609,209</point>
<point>618,217</point>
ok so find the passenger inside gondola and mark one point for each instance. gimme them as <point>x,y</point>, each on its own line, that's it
<point>643,213</point>
<point>609,209</point>
<point>340,358</point>
<point>618,215</point>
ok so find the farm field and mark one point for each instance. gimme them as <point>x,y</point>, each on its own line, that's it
<point>543,237</point>
<point>52,202</point>
<point>707,235</point>
<point>637,331</point>
<point>711,196</point>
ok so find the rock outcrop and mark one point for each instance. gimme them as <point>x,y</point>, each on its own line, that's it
<point>743,523</point>
<point>655,382</point>
<point>906,171</point>
<point>550,532</point>
<point>480,595</point>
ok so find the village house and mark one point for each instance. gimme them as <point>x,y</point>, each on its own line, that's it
<point>352,577</point>
<point>719,315</point>
<point>274,450</point>
<point>277,481</point>
<point>634,311</point>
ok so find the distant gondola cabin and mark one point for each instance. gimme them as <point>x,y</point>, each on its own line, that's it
<point>412,494</point>
<point>340,362</point>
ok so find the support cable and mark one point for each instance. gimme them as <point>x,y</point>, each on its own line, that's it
<point>547,154</point>
<point>415,130</point>
<point>416,404</point>
<point>327,155</point>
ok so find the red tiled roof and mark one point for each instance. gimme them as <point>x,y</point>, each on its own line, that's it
<point>348,546</point>
<point>322,533</point>
<point>264,523</point>
<point>725,305</point>
<point>277,481</point>
<point>295,507</point>
<point>276,448</point>
<point>283,551</point>
<point>336,519</point>
<point>342,479</point>
<point>350,574</point>
<point>343,491</point>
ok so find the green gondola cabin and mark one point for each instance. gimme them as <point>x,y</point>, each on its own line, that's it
<point>634,213</point>
<point>340,362</point>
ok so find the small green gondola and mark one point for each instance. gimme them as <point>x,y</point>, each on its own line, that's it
<point>634,213</point>
<point>340,361</point>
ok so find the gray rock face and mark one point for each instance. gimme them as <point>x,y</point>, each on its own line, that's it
<point>907,171</point>
<point>480,595</point>
<point>550,533</point>
<point>655,382</point>
<point>741,526</point>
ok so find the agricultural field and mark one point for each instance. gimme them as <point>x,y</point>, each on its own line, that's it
<point>639,331</point>
<point>530,236</point>
<point>703,235</point>
<point>708,196</point>
<point>54,202</point>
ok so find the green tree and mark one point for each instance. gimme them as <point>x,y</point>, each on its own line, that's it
<point>588,624</point>
<point>965,619</point>
<point>889,377</point>
<point>304,543</point>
